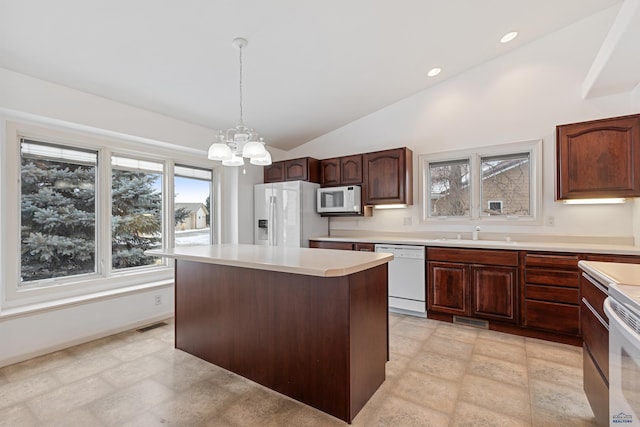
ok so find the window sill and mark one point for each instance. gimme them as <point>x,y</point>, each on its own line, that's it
<point>81,299</point>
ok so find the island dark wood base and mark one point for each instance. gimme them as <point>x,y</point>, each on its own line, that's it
<point>320,340</point>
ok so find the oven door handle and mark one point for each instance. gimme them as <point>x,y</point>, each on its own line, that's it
<point>616,321</point>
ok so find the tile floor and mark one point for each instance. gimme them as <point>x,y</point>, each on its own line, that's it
<point>439,375</point>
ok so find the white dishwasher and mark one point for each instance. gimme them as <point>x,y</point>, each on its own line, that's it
<point>407,286</point>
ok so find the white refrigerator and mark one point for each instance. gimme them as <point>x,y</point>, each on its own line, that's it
<point>285,214</point>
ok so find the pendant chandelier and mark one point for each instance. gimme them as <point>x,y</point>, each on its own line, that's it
<point>236,143</point>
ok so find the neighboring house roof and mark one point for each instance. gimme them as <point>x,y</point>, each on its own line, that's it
<point>192,207</point>
<point>489,169</point>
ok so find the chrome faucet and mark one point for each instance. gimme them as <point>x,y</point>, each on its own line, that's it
<point>475,232</point>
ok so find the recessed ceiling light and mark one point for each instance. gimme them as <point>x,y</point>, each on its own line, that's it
<point>508,37</point>
<point>434,72</point>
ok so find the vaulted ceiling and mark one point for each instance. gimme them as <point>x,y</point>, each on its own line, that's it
<point>310,66</point>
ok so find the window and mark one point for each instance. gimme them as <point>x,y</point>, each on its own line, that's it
<point>86,207</point>
<point>449,183</point>
<point>58,211</point>
<point>505,185</point>
<point>192,215</point>
<point>136,211</point>
<point>495,183</point>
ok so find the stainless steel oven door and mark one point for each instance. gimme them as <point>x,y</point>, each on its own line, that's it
<point>624,364</point>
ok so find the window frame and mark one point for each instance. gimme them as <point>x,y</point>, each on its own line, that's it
<point>15,294</point>
<point>475,156</point>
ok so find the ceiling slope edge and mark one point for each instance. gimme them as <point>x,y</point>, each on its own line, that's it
<point>616,67</point>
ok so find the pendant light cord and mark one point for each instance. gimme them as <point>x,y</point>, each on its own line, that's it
<point>241,121</point>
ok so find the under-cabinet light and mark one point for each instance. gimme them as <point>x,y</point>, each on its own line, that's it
<point>392,206</point>
<point>610,201</point>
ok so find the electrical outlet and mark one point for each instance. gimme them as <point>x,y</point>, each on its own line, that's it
<point>158,299</point>
<point>549,220</point>
<point>408,220</point>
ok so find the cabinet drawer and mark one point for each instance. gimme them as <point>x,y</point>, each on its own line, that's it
<point>595,334</point>
<point>594,295</point>
<point>547,277</point>
<point>552,294</point>
<point>596,388</point>
<point>346,246</point>
<point>474,256</point>
<point>552,316</point>
<point>551,261</point>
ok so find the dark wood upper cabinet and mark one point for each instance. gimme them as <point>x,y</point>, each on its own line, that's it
<point>345,170</point>
<point>388,176</point>
<point>303,169</point>
<point>599,158</point>
<point>274,172</point>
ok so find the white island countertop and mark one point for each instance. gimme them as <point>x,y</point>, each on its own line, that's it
<point>613,273</point>
<point>311,262</point>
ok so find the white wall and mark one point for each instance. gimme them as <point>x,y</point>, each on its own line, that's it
<point>27,334</point>
<point>519,96</point>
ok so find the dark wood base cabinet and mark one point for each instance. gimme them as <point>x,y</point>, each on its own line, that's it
<point>320,340</point>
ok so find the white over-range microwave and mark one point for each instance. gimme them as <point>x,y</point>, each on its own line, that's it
<point>345,199</point>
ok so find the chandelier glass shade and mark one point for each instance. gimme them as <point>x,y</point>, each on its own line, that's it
<point>232,146</point>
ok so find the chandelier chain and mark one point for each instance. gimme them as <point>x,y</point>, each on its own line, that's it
<point>241,118</point>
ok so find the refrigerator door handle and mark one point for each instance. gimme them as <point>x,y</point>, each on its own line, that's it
<point>272,221</point>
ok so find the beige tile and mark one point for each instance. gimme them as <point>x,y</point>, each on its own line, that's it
<point>448,347</point>
<point>508,351</point>
<point>554,352</point>
<point>450,331</point>
<point>75,418</point>
<point>403,345</point>
<point>502,337</point>
<point>184,375</point>
<point>124,404</point>
<point>499,370</point>
<point>195,405</point>
<point>411,330</point>
<point>439,365</point>
<point>550,400</point>
<point>469,415</point>
<point>84,367</point>
<point>36,365</point>
<point>311,417</point>
<point>260,407</point>
<point>128,373</point>
<point>136,349</point>
<point>396,365</point>
<point>556,373</point>
<point>26,388</point>
<point>17,415</point>
<point>500,397</point>
<point>65,399</point>
<point>396,412</point>
<point>426,390</point>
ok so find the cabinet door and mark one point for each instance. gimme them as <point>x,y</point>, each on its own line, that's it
<point>274,172</point>
<point>448,287</point>
<point>296,170</point>
<point>599,158</point>
<point>494,292</point>
<point>351,170</point>
<point>303,169</point>
<point>387,176</point>
<point>330,172</point>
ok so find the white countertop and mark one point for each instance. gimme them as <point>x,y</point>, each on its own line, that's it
<point>310,262</point>
<point>493,244</point>
<point>615,273</point>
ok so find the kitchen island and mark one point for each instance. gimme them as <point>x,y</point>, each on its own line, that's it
<point>311,324</point>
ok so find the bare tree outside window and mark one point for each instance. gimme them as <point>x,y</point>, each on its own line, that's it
<point>449,184</point>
